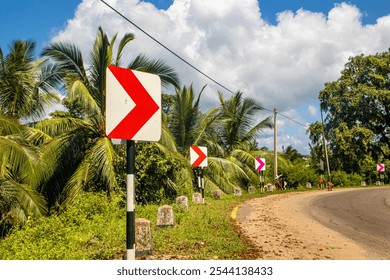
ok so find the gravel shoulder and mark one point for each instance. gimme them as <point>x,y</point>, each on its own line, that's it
<point>282,229</point>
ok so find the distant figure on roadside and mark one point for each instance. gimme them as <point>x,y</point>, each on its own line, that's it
<point>330,186</point>
<point>278,185</point>
<point>321,183</point>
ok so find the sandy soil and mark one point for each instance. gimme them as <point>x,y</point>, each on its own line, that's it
<point>282,230</point>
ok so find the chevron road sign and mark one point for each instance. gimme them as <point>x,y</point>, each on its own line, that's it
<point>198,156</point>
<point>260,164</point>
<point>133,105</point>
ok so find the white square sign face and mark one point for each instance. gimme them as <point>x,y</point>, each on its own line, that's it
<point>198,156</point>
<point>260,164</point>
<point>133,105</point>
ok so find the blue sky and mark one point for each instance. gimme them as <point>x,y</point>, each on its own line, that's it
<point>280,52</point>
<point>39,20</point>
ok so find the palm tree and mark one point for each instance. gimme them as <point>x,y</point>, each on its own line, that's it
<point>186,121</point>
<point>26,84</point>
<point>83,154</point>
<point>237,130</point>
<point>238,121</point>
<point>21,172</point>
<point>228,131</point>
<point>26,88</point>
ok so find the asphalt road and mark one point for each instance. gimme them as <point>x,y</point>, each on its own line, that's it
<point>362,215</point>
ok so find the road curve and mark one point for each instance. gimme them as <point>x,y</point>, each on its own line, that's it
<point>345,224</point>
<point>362,215</point>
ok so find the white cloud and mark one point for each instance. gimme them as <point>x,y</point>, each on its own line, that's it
<point>283,65</point>
<point>312,110</point>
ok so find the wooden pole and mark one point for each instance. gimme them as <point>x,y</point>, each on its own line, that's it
<point>275,146</point>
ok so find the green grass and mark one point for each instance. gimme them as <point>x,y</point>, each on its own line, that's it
<point>206,231</point>
<point>94,228</point>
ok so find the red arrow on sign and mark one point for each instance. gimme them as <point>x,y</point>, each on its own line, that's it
<point>144,108</point>
<point>201,156</point>
<point>380,167</point>
<point>260,164</point>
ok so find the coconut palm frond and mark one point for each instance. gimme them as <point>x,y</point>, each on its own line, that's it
<point>167,140</point>
<point>206,123</point>
<point>256,130</point>
<point>166,73</point>
<point>9,126</point>
<point>57,126</point>
<point>228,171</point>
<point>17,156</point>
<point>76,183</point>
<point>68,58</point>
<point>36,137</point>
<point>125,40</point>
<point>184,178</point>
<point>28,199</point>
<point>79,92</point>
<point>96,166</point>
<point>102,155</point>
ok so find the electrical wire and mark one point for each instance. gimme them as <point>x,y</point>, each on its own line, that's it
<point>184,60</point>
<point>165,47</point>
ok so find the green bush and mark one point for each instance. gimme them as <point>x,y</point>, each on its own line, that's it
<point>342,179</point>
<point>299,172</point>
<point>93,227</point>
<point>155,174</point>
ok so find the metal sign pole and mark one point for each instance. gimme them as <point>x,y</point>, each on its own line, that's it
<point>202,183</point>
<point>130,200</point>
<point>261,179</point>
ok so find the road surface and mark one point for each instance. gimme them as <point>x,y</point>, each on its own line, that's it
<point>342,224</point>
<point>362,215</point>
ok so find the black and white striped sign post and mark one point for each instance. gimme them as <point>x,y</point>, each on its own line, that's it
<point>133,113</point>
<point>130,200</point>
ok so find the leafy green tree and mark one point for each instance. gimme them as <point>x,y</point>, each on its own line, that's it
<point>357,106</point>
<point>185,118</point>
<point>229,131</point>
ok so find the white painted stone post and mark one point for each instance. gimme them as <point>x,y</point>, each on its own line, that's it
<point>217,194</point>
<point>143,238</point>
<point>197,197</point>
<point>165,216</point>
<point>237,192</point>
<point>182,201</point>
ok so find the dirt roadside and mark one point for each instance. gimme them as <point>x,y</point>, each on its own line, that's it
<point>281,229</point>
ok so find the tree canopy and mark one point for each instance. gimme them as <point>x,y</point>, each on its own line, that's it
<point>357,119</point>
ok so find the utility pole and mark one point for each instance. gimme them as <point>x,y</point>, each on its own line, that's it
<point>275,146</point>
<point>325,148</point>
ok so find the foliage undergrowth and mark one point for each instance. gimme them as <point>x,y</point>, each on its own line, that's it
<point>93,228</point>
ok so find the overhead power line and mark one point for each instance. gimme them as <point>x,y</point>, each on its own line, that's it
<point>297,122</point>
<point>168,49</point>
<point>184,60</point>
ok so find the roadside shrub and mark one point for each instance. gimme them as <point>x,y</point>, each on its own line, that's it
<point>299,173</point>
<point>93,227</point>
<point>155,174</point>
<point>342,179</point>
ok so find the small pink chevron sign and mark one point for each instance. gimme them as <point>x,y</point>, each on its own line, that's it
<point>380,167</point>
<point>260,164</point>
